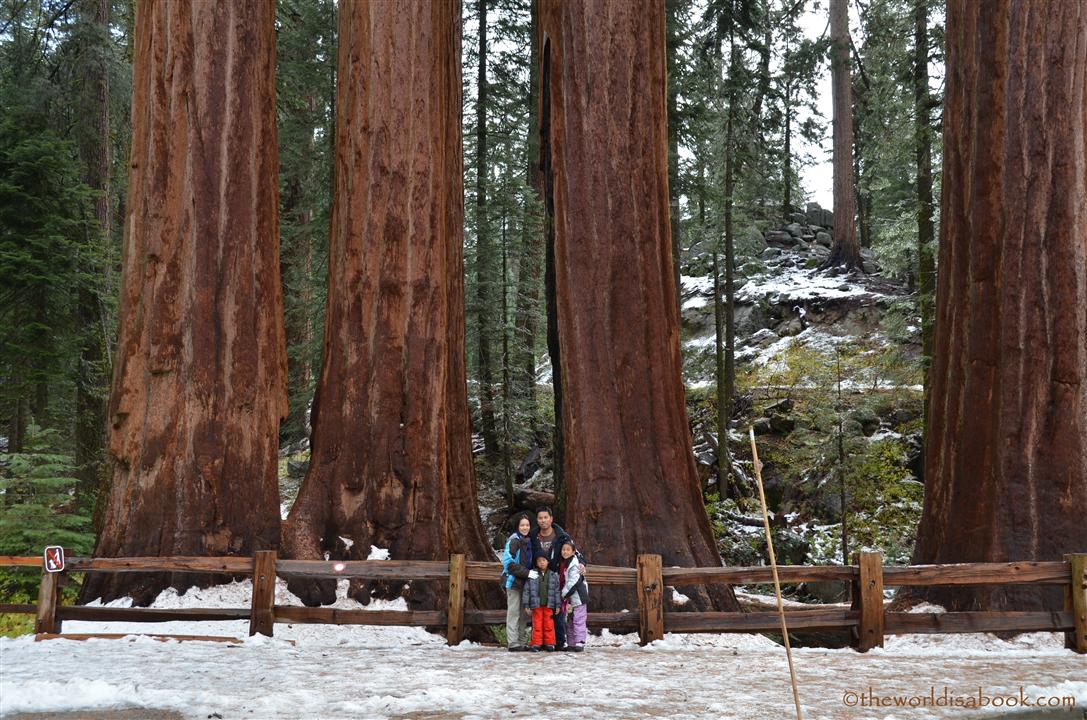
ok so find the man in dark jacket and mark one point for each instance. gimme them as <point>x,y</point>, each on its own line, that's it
<point>547,540</point>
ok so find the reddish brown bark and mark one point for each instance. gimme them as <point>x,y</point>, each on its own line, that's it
<point>631,485</point>
<point>1006,467</point>
<point>391,463</point>
<point>845,251</point>
<point>198,387</point>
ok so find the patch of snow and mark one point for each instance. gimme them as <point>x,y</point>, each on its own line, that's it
<point>678,598</point>
<point>393,672</point>
<point>885,434</point>
<point>695,302</point>
<point>699,284</point>
<point>701,341</point>
<point>377,553</point>
<point>796,284</point>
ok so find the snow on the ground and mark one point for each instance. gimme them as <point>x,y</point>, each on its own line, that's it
<point>696,283</point>
<point>787,284</point>
<point>813,337</point>
<point>388,672</point>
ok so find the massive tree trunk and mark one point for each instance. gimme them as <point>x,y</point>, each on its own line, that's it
<point>199,379</point>
<point>94,141</point>
<point>630,480</point>
<point>391,463</point>
<point>845,252</point>
<point>1006,466</point>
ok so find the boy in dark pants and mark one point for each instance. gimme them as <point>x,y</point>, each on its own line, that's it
<point>542,596</point>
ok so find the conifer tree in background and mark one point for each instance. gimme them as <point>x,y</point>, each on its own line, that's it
<point>845,251</point>
<point>305,84</point>
<point>200,379</point>
<point>926,233</point>
<point>484,255</point>
<point>60,178</point>
<point>94,150</point>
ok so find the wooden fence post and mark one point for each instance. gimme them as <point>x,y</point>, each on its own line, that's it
<point>458,578</point>
<point>1076,601</point>
<point>46,620</point>
<point>262,614</point>
<point>650,598</point>
<point>868,598</point>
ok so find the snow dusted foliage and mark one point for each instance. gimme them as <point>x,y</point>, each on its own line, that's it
<point>386,672</point>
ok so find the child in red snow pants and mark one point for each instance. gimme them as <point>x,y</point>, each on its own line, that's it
<point>543,626</point>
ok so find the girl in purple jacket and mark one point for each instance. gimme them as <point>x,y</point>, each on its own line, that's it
<point>575,595</point>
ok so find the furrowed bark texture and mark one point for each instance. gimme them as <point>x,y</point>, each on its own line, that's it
<point>199,380</point>
<point>1006,467</point>
<point>845,251</point>
<point>630,480</point>
<point>391,463</point>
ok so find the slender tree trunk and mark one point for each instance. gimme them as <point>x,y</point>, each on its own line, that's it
<point>507,470</point>
<point>672,43</point>
<point>531,265</point>
<point>484,253</point>
<point>392,460</point>
<point>558,450</point>
<point>199,379</point>
<point>845,252</point>
<point>94,140</point>
<point>631,482</point>
<point>787,155</point>
<point>725,311</point>
<point>724,400</point>
<point>731,167</point>
<point>1006,463</point>
<point>926,257</point>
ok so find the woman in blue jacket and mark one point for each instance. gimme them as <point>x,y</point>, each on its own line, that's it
<point>516,567</point>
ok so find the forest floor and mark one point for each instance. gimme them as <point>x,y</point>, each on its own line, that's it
<point>385,672</point>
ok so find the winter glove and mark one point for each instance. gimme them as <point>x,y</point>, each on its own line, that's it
<point>532,574</point>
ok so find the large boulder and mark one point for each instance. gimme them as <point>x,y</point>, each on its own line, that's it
<point>750,319</point>
<point>750,242</point>
<point>780,238</point>
<point>818,216</point>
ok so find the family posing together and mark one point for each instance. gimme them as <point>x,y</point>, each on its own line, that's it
<point>544,578</point>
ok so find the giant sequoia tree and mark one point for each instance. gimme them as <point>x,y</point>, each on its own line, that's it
<point>391,463</point>
<point>1006,467</point>
<point>198,388</point>
<point>630,480</point>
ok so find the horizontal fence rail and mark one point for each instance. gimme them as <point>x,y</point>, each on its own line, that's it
<point>866,619</point>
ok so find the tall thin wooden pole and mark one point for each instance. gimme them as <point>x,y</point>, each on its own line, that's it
<point>774,571</point>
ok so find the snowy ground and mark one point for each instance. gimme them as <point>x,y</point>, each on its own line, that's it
<point>372,672</point>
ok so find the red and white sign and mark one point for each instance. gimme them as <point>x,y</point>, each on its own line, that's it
<point>54,559</point>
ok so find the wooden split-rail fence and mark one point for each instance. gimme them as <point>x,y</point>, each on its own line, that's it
<point>867,618</point>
